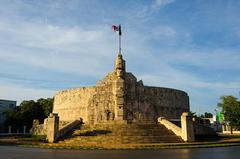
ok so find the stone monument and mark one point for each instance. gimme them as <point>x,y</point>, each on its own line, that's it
<point>120,98</point>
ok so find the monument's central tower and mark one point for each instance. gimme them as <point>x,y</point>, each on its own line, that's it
<point>119,88</point>
<point>120,66</point>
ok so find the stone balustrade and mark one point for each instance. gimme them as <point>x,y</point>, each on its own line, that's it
<point>69,127</point>
<point>177,130</point>
<point>186,132</point>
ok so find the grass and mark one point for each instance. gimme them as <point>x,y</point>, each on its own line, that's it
<point>36,141</point>
<point>41,138</point>
<point>187,146</point>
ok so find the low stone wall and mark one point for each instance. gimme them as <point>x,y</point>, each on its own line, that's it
<point>203,130</point>
<point>53,128</point>
<point>39,129</point>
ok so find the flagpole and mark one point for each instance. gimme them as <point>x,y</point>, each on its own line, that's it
<point>119,31</point>
<point>119,40</point>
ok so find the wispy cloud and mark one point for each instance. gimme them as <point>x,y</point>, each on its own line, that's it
<point>161,3</point>
<point>40,45</point>
<point>142,13</point>
<point>52,45</point>
<point>20,92</point>
<point>162,31</point>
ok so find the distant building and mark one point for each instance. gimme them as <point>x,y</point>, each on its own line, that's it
<point>6,104</point>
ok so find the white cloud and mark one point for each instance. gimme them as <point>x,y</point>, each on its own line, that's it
<point>161,3</point>
<point>210,58</point>
<point>142,13</point>
<point>163,32</point>
<point>204,96</point>
<point>49,36</point>
<point>73,49</point>
<point>19,92</point>
<point>153,50</point>
<point>56,47</point>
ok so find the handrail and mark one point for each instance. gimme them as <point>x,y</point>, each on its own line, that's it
<point>69,127</point>
<point>168,124</point>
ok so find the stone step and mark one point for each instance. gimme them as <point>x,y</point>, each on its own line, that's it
<point>121,133</point>
<point>137,139</point>
<point>122,137</point>
<point>94,133</point>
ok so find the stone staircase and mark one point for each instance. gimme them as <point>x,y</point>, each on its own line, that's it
<point>114,134</point>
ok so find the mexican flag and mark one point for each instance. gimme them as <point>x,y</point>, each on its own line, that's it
<point>117,29</point>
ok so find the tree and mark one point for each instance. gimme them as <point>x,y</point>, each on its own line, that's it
<point>47,105</point>
<point>231,110</point>
<point>206,115</point>
<point>28,111</point>
<point>12,116</point>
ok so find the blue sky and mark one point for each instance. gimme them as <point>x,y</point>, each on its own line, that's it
<point>47,46</point>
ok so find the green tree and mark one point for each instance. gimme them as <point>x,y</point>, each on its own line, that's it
<point>31,110</point>
<point>47,105</point>
<point>12,116</point>
<point>231,110</point>
<point>206,115</point>
<point>28,111</point>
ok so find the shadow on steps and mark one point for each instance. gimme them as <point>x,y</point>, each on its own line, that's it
<point>94,133</point>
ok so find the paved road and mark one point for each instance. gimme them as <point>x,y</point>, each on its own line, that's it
<point>13,152</point>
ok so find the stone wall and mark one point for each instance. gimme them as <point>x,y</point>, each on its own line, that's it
<point>73,104</point>
<point>203,130</point>
<point>149,103</point>
<point>101,105</point>
<point>38,129</point>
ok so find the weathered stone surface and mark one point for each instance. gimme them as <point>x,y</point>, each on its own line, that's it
<point>187,127</point>
<point>38,129</point>
<point>119,96</point>
<point>73,104</point>
<point>52,128</point>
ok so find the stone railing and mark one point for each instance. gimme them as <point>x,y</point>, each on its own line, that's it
<point>177,130</point>
<point>186,132</point>
<point>53,128</point>
<point>68,128</point>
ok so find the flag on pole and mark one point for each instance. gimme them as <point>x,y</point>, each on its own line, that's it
<point>117,29</point>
